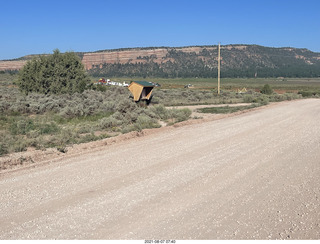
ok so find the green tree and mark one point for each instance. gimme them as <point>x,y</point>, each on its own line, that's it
<point>53,74</point>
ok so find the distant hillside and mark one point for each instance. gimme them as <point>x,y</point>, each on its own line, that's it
<point>196,61</point>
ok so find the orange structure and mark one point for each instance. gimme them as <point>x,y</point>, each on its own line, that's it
<point>141,90</point>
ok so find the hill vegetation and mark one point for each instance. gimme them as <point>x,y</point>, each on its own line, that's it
<point>237,61</point>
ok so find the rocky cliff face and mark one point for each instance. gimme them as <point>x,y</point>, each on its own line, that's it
<point>127,56</point>
<point>134,55</point>
<point>12,65</point>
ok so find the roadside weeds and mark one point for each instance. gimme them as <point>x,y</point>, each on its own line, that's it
<point>34,158</point>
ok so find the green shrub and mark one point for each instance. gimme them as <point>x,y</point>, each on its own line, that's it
<point>248,98</point>
<point>47,128</point>
<point>119,116</point>
<point>145,122</point>
<point>160,111</point>
<point>20,145</point>
<point>7,142</point>
<point>129,128</point>
<point>68,112</point>
<point>64,138</point>
<point>150,113</point>
<point>262,100</point>
<point>3,149</point>
<point>4,143</point>
<point>21,126</point>
<point>308,93</point>
<point>266,89</point>
<point>126,105</point>
<point>88,138</point>
<point>109,122</point>
<point>29,132</point>
<point>291,96</point>
<point>131,116</point>
<point>53,74</point>
<point>101,88</point>
<point>181,114</point>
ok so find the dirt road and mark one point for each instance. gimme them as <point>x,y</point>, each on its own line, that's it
<point>252,176</point>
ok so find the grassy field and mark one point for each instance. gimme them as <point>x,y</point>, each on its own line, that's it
<point>41,121</point>
<point>226,109</point>
<point>281,84</point>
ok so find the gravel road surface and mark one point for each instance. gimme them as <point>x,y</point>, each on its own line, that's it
<point>251,176</point>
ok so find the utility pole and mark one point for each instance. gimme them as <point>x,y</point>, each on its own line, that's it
<point>219,69</point>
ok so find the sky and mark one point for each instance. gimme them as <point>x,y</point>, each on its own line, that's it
<point>39,27</point>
